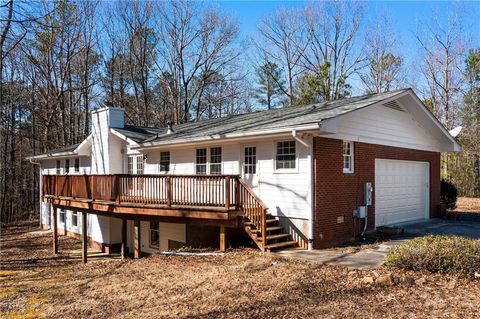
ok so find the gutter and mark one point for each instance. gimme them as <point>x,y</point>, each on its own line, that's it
<point>229,137</point>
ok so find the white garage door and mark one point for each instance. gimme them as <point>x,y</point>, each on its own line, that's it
<point>401,191</point>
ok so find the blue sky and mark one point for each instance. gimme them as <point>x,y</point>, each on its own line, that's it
<point>406,17</point>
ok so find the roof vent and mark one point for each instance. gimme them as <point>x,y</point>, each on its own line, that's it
<point>394,105</point>
<point>170,128</point>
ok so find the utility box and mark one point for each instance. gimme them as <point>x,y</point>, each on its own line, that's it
<point>368,193</point>
<point>362,212</point>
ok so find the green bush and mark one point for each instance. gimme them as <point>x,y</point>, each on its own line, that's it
<point>433,253</point>
<point>448,194</point>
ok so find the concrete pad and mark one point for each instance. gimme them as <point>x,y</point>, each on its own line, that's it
<point>371,258</point>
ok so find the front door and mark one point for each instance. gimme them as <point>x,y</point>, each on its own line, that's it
<point>250,167</point>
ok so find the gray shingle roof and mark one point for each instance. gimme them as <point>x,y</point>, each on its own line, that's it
<point>251,122</point>
<point>271,119</point>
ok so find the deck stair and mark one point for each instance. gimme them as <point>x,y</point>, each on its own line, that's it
<point>263,228</point>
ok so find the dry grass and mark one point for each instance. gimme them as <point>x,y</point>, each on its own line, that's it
<point>468,204</point>
<point>241,284</point>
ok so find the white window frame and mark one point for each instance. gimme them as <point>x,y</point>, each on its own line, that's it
<point>75,214</point>
<point>135,164</point>
<point>250,164</point>
<point>169,161</point>
<point>153,230</point>
<point>284,170</point>
<point>60,213</point>
<point>208,161</point>
<point>76,168</point>
<point>58,167</point>
<point>140,165</point>
<point>211,163</point>
<point>350,157</point>
<point>197,164</point>
<point>66,167</point>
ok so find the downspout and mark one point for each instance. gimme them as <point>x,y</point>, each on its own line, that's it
<point>312,211</point>
<point>40,187</point>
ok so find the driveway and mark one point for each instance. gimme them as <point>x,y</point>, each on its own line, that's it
<point>373,257</point>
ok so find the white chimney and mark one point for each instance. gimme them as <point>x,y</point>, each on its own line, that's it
<point>102,120</point>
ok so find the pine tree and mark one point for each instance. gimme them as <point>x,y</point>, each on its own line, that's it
<point>270,85</point>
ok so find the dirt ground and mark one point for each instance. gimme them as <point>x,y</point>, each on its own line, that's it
<point>468,204</point>
<point>243,283</point>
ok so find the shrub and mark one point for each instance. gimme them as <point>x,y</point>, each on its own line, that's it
<point>448,194</point>
<point>433,253</point>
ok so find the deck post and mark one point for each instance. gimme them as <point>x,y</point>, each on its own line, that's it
<point>84,237</point>
<point>137,239</point>
<point>227,192</point>
<point>55,231</point>
<point>223,239</point>
<point>124,239</point>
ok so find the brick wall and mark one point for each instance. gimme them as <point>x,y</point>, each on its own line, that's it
<point>336,194</point>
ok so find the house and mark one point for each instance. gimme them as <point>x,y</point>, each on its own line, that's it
<point>311,176</point>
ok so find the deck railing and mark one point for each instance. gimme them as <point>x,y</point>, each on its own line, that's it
<point>227,191</point>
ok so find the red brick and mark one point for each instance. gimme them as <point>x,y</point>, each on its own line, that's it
<point>338,194</point>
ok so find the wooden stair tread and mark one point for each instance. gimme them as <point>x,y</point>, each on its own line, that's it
<point>271,220</point>
<point>281,244</point>
<point>277,236</point>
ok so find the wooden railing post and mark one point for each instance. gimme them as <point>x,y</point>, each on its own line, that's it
<point>227,192</point>
<point>117,189</point>
<point>237,193</point>
<point>91,187</point>
<point>264,227</point>
<point>169,191</point>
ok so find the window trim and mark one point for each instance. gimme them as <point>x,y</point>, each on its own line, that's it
<point>169,162</point>
<point>76,168</point>
<point>150,230</point>
<point>58,167</point>
<point>294,170</point>
<point>60,213</point>
<point>351,156</point>
<point>75,213</point>
<point>255,162</point>
<point>202,164</point>
<point>208,161</point>
<point>65,166</point>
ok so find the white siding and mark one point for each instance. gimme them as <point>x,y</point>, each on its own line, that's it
<point>167,231</point>
<point>385,126</point>
<point>286,194</point>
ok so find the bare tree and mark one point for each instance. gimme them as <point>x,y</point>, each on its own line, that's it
<point>283,39</point>
<point>384,66</point>
<point>196,47</point>
<point>333,32</point>
<point>442,49</point>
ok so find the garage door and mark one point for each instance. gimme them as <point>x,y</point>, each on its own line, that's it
<point>401,191</point>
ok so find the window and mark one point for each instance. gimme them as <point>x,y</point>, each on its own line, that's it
<point>77,165</point>
<point>59,165</point>
<point>286,156</point>
<point>130,160</point>
<point>250,161</point>
<point>61,216</point>
<point>140,164</point>
<point>201,161</point>
<point>74,219</point>
<point>135,164</point>
<point>154,234</point>
<point>216,160</point>
<point>67,166</point>
<point>347,157</point>
<point>164,161</point>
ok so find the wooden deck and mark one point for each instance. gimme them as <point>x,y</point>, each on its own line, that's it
<point>222,200</point>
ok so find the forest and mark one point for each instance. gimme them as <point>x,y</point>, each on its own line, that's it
<point>185,61</point>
